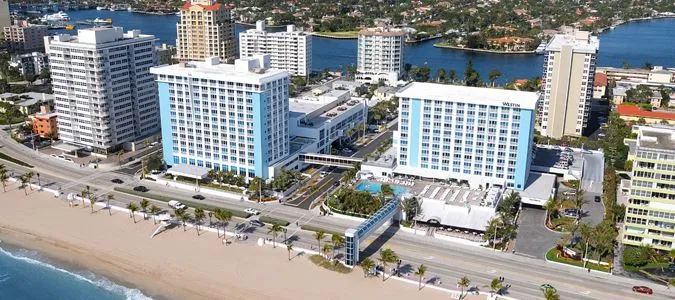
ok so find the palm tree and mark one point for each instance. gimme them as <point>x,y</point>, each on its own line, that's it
<point>289,248</point>
<point>367,264</point>
<point>3,179</point>
<point>326,248</point>
<point>319,235</point>
<point>495,285</point>
<point>223,216</point>
<point>551,206</point>
<point>338,241</point>
<point>29,176</point>
<point>387,256</point>
<point>144,207</point>
<point>463,283</point>
<point>551,294</point>
<point>274,230</point>
<point>199,216</point>
<point>183,217</point>
<point>24,180</point>
<point>92,201</point>
<point>421,270</point>
<point>133,208</point>
<point>108,198</point>
<point>83,194</point>
<point>154,210</point>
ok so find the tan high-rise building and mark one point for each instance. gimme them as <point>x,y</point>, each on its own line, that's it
<point>205,30</point>
<point>567,82</point>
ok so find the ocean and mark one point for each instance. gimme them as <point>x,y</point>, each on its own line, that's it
<point>25,274</point>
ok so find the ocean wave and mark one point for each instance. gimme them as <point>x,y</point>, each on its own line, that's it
<point>128,293</point>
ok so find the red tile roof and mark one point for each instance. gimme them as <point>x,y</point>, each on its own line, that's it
<point>635,111</point>
<point>215,6</point>
<point>600,79</point>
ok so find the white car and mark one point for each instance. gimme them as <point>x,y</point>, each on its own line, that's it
<point>252,211</point>
<point>323,174</point>
<point>176,205</point>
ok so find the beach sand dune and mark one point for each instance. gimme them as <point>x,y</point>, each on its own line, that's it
<point>177,264</point>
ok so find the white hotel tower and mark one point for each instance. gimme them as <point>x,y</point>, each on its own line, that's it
<point>290,50</point>
<point>224,117</point>
<point>104,94</point>
<point>380,55</point>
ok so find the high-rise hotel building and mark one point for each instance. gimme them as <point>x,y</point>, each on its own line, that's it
<point>223,116</point>
<point>290,50</point>
<point>567,84</point>
<point>481,135</point>
<point>650,214</point>
<point>104,94</point>
<point>380,55</point>
<point>205,30</point>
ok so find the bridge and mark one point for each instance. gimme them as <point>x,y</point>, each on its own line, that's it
<point>354,236</point>
<point>329,160</point>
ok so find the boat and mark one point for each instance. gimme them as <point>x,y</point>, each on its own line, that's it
<point>612,27</point>
<point>116,8</point>
<point>130,9</point>
<point>59,16</point>
<point>540,49</point>
<point>178,13</point>
<point>102,21</point>
<point>100,7</point>
<point>70,27</point>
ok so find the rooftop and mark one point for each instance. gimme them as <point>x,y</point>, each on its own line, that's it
<point>539,186</point>
<point>635,111</point>
<point>248,70</point>
<point>476,95</point>
<point>660,137</point>
<point>382,31</point>
<point>600,79</point>
<point>580,41</point>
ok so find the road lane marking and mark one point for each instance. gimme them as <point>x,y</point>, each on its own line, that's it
<point>491,271</point>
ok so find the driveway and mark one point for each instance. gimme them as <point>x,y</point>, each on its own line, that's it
<point>533,239</point>
<point>594,171</point>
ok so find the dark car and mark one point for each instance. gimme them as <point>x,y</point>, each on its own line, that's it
<point>337,183</point>
<point>257,223</point>
<point>198,197</point>
<point>643,290</point>
<point>597,199</point>
<point>117,180</point>
<point>141,188</point>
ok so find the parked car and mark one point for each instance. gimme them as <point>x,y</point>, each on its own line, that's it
<point>198,197</point>
<point>140,188</point>
<point>547,286</point>
<point>176,205</point>
<point>570,212</point>
<point>323,174</point>
<point>252,211</point>
<point>643,289</point>
<point>597,199</point>
<point>256,223</point>
<point>54,155</point>
<point>570,193</point>
<point>117,180</point>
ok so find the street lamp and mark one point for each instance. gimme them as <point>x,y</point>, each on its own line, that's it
<point>210,215</point>
<point>38,176</point>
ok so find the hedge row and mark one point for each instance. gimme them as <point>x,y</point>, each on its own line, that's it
<point>271,220</point>
<point>236,213</point>
<point>317,229</point>
<point>14,160</point>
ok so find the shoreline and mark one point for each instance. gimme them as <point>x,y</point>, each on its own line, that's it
<point>601,30</point>
<point>441,45</point>
<point>352,36</point>
<point>176,264</point>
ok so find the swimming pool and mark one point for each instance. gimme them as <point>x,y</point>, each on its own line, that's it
<point>374,188</point>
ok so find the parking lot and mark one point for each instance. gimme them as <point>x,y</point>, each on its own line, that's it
<point>534,239</point>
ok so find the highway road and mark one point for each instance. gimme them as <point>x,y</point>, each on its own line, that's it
<point>448,261</point>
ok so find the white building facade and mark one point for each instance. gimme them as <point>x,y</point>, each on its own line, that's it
<point>104,93</point>
<point>224,117</point>
<point>567,84</point>
<point>30,63</point>
<point>290,50</point>
<point>481,135</point>
<point>380,55</point>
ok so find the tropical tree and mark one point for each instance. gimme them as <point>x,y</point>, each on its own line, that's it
<point>275,230</point>
<point>494,75</point>
<point>223,216</point>
<point>83,194</point>
<point>92,201</point>
<point>551,207</point>
<point>3,179</point>
<point>463,283</point>
<point>183,217</point>
<point>255,187</point>
<point>144,207</point>
<point>386,191</point>
<point>289,248</point>
<point>132,207</point>
<point>154,210</point>
<point>471,76</point>
<point>24,180</point>
<point>367,264</point>
<point>29,176</point>
<point>338,241</point>
<point>387,256</point>
<point>109,198</point>
<point>440,75</point>
<point>326,249</point>
<point>412,208</point>
<point>495,285</point>
<point>421,270</point>
<point>551,294</point>
<point>319,235</point>
<point>199,216</point>
<point>452,75</point>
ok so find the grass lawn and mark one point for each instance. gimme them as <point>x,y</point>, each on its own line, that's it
<point>210,185</point>
<point>562,223</point>
<point>551,255</point>
<point>326,264</point>
<point>14,160</point>
<point>651,265</point>
<point>340,35</point>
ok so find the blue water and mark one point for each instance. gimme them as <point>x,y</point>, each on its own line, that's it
<point>635,43</point>
<point>26,275</point>
<point>374,188</point>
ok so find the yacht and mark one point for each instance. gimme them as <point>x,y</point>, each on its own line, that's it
<point>100,7</point>
<point>59,16</point>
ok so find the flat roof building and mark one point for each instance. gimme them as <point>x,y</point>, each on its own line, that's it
<point>23,37</point>
<point>290,50</point>
<point>380,55</point>
<point>205,30</point>
<point>224,116</point>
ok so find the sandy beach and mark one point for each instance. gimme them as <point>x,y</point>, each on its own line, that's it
<point>177,264</point>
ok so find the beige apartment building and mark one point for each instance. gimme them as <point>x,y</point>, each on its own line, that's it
<point>567,84</point>
<point>205,29</point>
<point>22,37</point>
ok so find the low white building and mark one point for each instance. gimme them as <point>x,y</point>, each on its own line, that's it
<point>459,207</point>
<point>30,63</point>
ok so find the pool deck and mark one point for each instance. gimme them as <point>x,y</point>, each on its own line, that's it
<point>450,194</point>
